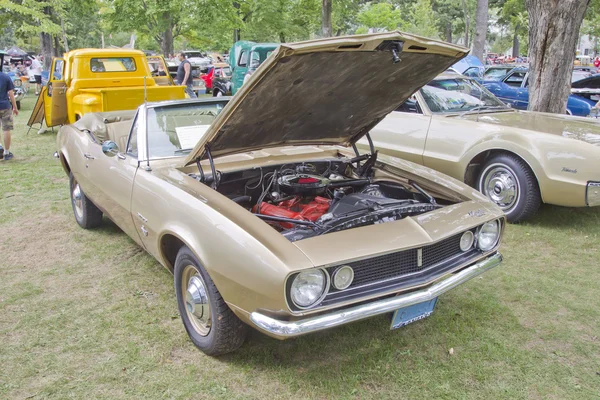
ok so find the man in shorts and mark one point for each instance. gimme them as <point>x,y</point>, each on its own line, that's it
<point>36,69</point>
<point>8,107</point>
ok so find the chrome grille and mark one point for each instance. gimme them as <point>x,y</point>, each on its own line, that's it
<point>395,265</point>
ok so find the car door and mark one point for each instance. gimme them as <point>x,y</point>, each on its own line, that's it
<point>110,178</point>
<point>402,133</point>
<point>241,67</point>
<point>448,140</point>
<point>160,71</point>
<point>55,95</point>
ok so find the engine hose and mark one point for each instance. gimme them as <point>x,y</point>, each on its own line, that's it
<point>241,199</point>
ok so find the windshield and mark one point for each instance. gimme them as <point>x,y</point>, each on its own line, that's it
<point>175,130</point>
<point>495,74</point>
<point>194,54</point>
<point>112,64</point>
<point>458,95</point>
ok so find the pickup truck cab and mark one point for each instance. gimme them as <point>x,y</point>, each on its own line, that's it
<point>99,80</point>
<point>244,58</point>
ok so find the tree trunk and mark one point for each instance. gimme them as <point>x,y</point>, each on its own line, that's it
<point>166,44</point>
<point>46,44</point>
<point>516,45</point>
<point>467,22</point>
<point>553,33</point>
<point>481,26</point>
<point>56,52</point>
<point>64,34</point>
<point>326,29</point>
<point>449,32</point>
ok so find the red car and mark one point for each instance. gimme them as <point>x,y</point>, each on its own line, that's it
<point>216,70</point>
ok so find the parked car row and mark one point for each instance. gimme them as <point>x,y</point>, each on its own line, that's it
<point>260,203</point>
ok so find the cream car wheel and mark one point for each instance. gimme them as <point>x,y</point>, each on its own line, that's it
<point>86,213</point>
<point>208,320</point>
<point>501,186</point>
<point>509,182</point>
<point>197,302</point>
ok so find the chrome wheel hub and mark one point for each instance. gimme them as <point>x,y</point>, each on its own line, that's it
<point>78,200</point>
<point>501,186</point>
<point>197,304</point>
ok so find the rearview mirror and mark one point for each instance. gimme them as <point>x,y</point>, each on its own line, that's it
<point>110,148</point>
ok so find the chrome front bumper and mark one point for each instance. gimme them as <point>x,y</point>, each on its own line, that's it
<point>288,329</point>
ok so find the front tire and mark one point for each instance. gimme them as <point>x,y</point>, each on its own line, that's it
<point>209,322</point>
<point>509,182</point>
<point>87,215</point>
<point>217,93</point>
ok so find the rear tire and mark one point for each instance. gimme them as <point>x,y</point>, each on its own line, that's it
<point>208,320</point>
<point>509,183</point>
<point>87,215</point>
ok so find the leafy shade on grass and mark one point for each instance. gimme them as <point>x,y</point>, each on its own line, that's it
<point>90,314</point>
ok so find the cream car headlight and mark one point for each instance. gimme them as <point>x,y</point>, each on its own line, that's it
<point>308,287</point>
<point>488,235</point>
<point>342,277</point>
<point>466,241</point>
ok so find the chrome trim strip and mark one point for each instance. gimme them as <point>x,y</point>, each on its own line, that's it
<point>287,329</point>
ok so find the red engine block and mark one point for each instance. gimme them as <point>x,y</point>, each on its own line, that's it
<point>294,209</point>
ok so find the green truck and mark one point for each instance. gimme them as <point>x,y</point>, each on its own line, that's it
<point>244,59</point>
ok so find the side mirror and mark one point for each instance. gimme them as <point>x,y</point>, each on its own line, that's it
<point>110,148</point>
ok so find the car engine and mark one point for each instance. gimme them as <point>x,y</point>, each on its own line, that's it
<point>309,199</point>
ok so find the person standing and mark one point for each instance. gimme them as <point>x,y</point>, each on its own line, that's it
<point>36,68</point>
<point>8,107</point>
<point>184,75</point>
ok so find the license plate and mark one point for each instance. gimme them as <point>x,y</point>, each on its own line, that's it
<point>410,314</point>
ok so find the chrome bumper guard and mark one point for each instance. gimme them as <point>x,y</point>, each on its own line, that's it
<point>288,329</point>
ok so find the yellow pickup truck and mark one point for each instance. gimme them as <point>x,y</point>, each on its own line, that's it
<point>100,80</point>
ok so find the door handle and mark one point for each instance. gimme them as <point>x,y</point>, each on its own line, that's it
<point>89,156</point>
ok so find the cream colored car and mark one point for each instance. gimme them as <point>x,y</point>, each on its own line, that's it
<point>518,159</point>
<point>263,213</point>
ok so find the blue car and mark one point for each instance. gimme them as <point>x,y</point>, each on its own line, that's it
<point>510,84</point>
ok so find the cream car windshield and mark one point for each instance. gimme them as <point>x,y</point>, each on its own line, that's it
<point>174,130</point>
<point>458,95</point>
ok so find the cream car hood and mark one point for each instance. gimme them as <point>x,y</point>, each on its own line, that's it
<point>326,91</point>
<point>578,128</point>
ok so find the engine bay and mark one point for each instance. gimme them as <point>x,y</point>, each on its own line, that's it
<point>307,199</point>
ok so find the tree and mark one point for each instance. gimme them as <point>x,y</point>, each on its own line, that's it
<point>481,27</point>
<point>163,20</point>
<point>423,20</point>
<point>553,35</point>
<point>326,28</point>
<point>379,17</point>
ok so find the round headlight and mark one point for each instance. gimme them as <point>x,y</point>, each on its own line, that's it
<point>308,287</point>
<point>466,240</point>
<point>343,277</point>
<point>488,235</point>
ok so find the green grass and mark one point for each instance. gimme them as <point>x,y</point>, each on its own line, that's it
<point>89,314</point>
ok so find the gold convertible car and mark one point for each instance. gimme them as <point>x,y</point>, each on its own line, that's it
<point>264,211</point>
<point>516,158</point>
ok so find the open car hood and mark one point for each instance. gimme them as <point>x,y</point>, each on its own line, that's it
<point>325,92</point>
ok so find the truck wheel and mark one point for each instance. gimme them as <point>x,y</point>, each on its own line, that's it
<point>87,215</point>
<point>19,105</point>
<point>209,322</point>
<point>509,182</point>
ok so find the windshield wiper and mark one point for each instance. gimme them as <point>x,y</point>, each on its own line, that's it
<point>182,151</point>
<point>479,108</point>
